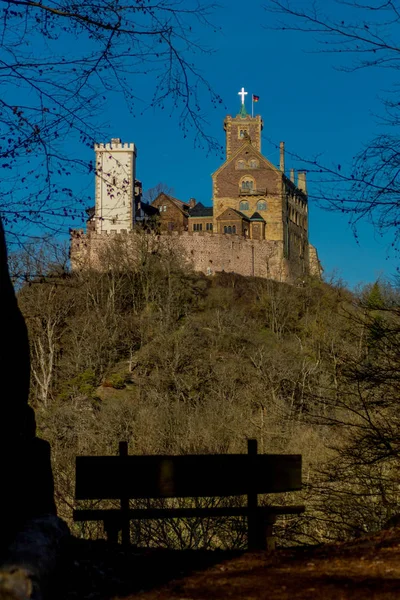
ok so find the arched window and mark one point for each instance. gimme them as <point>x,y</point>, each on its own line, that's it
<point>247,184</point>
<point>233,228</point>
<point>244,206</point>
<point>225,229</point>
<point>241,164</point>
<point>242,133</point>
<point>261,205</point>
<point>229,229</point>
<point>253,163</point>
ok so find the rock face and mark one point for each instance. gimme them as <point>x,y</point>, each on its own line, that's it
<point>30,532</point>
<point>32,559</point>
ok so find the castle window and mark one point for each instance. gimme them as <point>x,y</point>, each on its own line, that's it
<point>160,208</point>
<point>242,133</point>
<point>253,163</point>
<point>241,164</point>
<point>165,208</point>
<point>244,206</point>
<point>198,227</point>
<point>247,184</point>
<point>261,205</point>
<point>234,229</point>
<point>229,229</point>
<point>209,226</point>
<point>225,229</point>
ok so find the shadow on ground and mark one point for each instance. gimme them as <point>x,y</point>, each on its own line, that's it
<point>97,570</point>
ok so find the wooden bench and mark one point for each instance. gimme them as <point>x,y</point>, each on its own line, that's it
<point>126,477</point>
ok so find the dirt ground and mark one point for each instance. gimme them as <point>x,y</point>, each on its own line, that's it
<point>368,568</point>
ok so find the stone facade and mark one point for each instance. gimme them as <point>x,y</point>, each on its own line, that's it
<point>237,131</point>
<point>273,207</point>
<point>114,186</point>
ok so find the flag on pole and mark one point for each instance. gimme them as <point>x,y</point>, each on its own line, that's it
<point>256,98</point>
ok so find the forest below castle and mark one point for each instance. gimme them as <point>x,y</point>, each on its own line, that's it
<point>174,362</point>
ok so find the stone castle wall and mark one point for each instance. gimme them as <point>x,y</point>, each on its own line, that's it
<point>206,252</point>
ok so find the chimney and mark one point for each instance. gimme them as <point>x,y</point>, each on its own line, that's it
<point>192,202</point>
<point>302,181</point>
<point>282,157</point>
<point>292,175</point>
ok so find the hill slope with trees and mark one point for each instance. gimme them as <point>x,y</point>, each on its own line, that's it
<point>174,362</point>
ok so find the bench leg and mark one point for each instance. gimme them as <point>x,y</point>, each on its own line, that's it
<point>111,530</point>
<point>260,533</point>
<point>270,541</point>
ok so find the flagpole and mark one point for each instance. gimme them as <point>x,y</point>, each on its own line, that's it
<point>252,106</point>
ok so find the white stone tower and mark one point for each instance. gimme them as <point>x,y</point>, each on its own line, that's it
<point>115,186</point>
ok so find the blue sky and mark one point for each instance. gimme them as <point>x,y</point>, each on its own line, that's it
<point>304,100</point>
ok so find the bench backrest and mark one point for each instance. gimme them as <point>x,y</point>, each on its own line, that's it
<point>113,477</point>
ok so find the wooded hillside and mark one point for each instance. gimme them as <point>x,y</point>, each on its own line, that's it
<point>174,362</point>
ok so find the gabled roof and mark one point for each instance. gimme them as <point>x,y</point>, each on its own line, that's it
<point>199,210</point>
<point>256,153</point>
<point>240,214</point>
<point>257,217</point>
<point>183,206</point>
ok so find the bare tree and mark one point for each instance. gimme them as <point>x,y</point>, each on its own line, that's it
<point>59,63</point>
<point>365,36</point>
<point>151,194</point>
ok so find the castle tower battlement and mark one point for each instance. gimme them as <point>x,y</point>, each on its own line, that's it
<point>115,146</point>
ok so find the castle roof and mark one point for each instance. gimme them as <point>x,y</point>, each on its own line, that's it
<point>199,210</point>
<point>237,212</point>
<point>257,217</point>
<point>183,206</point>
<point>148,209</point>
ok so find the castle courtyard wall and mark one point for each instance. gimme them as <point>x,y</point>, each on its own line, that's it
<point>206,252</point>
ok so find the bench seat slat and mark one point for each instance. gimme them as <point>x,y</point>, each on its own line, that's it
<point>164,513</point>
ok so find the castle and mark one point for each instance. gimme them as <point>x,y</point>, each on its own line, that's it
<point>257,225</point>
